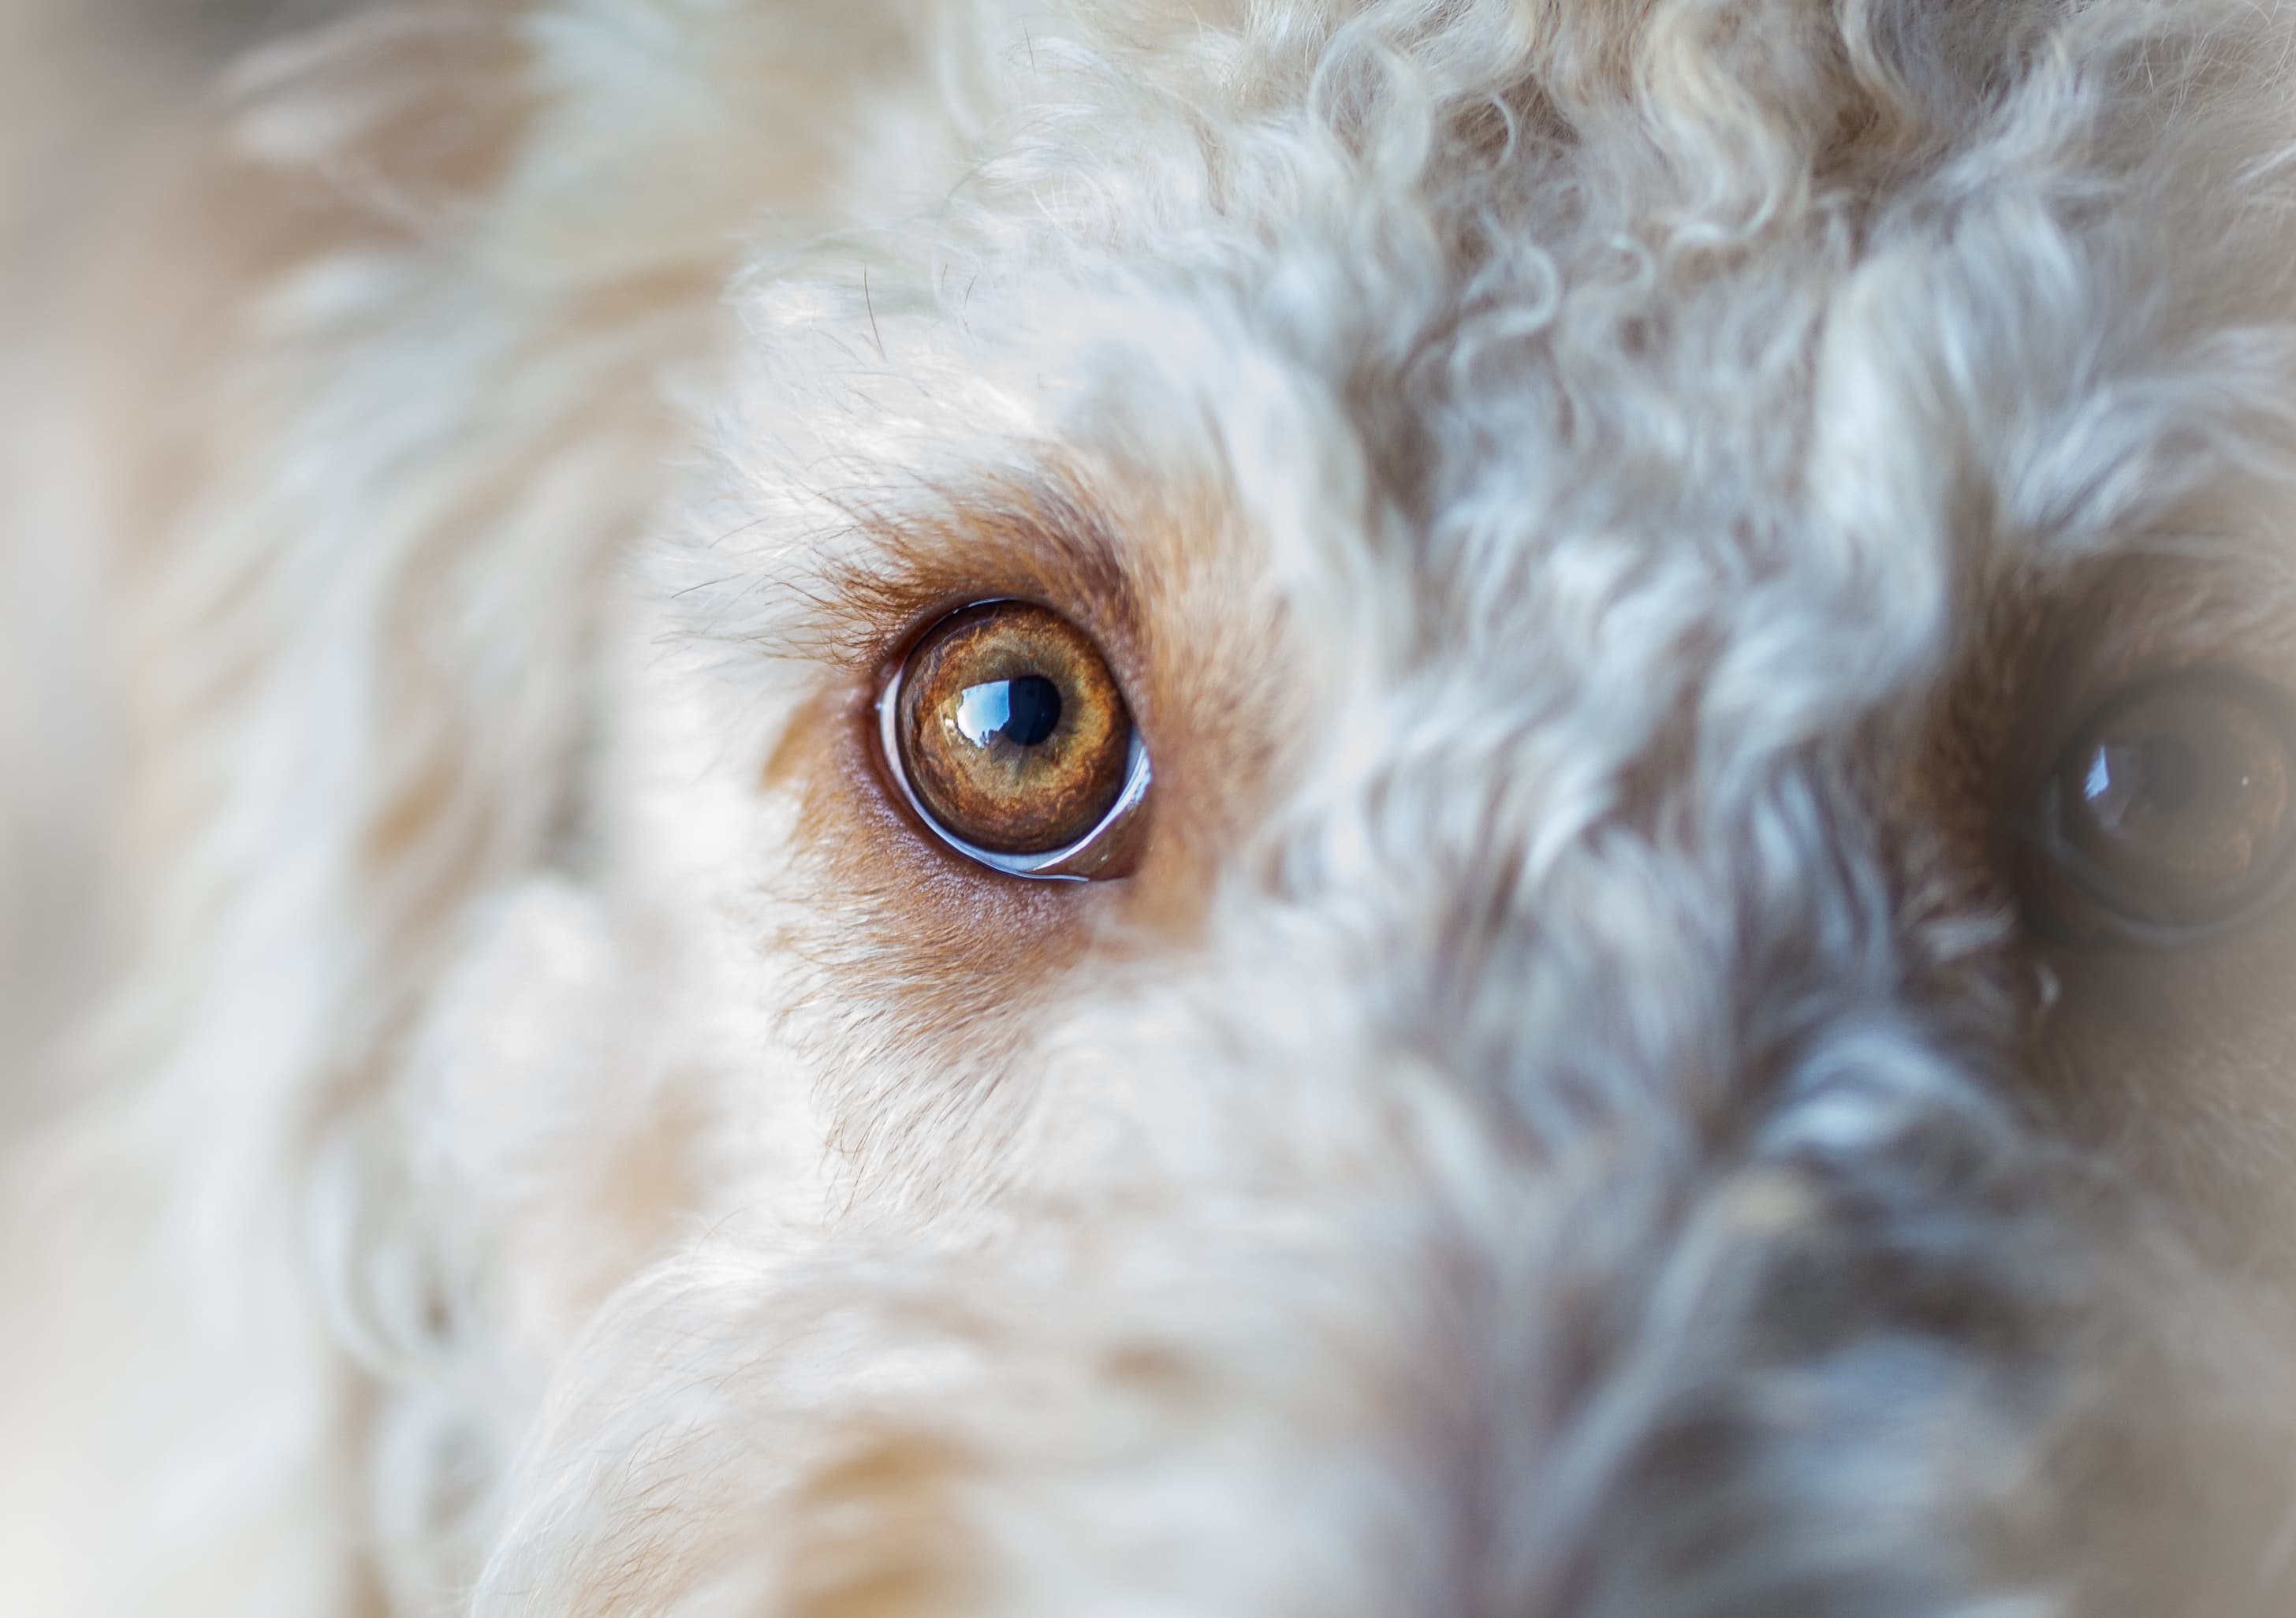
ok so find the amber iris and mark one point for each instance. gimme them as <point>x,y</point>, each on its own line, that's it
<point>2177,804</point>
<point>1011,728</point>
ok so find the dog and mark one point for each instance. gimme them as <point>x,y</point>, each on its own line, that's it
<point>1328,808</point>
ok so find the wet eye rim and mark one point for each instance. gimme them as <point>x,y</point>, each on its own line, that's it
<point>1096,856</point>
<point>2121,917</point>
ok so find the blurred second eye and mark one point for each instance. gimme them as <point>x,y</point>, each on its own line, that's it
<point>2172,813</point>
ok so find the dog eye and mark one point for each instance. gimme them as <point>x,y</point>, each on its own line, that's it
<point>2170,816</point>
<point>1007,733</point>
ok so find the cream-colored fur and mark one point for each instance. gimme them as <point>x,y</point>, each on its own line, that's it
<point>1597,506</point>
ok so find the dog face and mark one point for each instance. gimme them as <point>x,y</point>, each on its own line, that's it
<point>1472,811</point>
<point>1636,1052</point>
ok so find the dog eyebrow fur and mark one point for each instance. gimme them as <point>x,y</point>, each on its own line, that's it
<point>891,562</point>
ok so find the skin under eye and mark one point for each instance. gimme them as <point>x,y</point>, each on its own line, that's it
<point>1008,734</point>
<point>2172,813</point>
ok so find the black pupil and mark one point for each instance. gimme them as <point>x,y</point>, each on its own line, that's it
<point>1022,712</point>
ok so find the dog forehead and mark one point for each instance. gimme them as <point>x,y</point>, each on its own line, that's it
<point>1461,412</point>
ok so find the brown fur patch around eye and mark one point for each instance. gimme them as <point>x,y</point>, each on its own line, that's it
<point>2039,653</point>
<point>927,952</point>
<point>2170,1061</point>
<point>953,943</point>
<point>2049,653</point>
<point>1044,539</point>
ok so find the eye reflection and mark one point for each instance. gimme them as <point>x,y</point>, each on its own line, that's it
<point>2160,775</point>
<point>1020,712</point>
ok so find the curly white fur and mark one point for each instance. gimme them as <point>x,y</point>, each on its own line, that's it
<point>1555,1130</point>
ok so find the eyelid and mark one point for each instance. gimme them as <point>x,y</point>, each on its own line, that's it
<point>1088,858</point>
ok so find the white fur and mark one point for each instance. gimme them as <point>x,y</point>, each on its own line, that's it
<point>1570,445</point>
